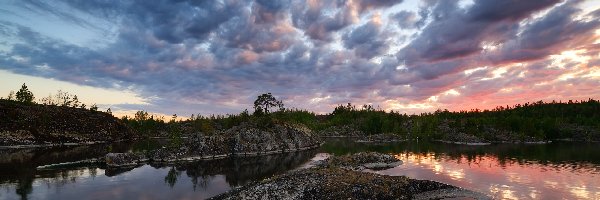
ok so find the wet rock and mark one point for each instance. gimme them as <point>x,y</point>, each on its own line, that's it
<point>363,160</point>
<point>124,159</point>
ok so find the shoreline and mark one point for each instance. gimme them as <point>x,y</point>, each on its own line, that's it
<point>142,161</point>
<point>29,146</point>
<point>132,159</point>
<point>501,142</point>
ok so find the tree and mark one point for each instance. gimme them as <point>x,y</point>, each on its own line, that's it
<point>11,95</point>
<point>76,102</point>
<point>141,116</point>
<point>94,107</point>
<point>266,101</point>
<point>24,95</point>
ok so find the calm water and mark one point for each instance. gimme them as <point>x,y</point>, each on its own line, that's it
<point>549,171</point>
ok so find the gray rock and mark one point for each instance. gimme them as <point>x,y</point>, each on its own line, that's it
<point>124,159</point>
<point>363,160</point>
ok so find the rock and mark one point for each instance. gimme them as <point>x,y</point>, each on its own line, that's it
<point>35,124</point>
<point>244,140</point>
<point>380,165</point>
<point>337,183</point>
<point>341,131</point>
<point>380,138</point>
<point>362,160</point>
<point>124,159</point>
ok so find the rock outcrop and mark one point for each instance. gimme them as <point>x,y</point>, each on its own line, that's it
<point>34,124</point>
<point>341,131</point>
<point>361,161</point>
<point>243,140</point>
<point>124,159</point>
<point>381,138</point>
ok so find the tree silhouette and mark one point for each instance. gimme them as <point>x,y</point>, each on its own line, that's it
<point>266,101</point>
<point>24,95</point>
<point>11,95</point>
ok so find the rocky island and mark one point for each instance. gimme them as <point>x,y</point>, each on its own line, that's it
<point>342,178</point>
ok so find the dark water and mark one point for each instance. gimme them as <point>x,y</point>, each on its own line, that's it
<point>548,171</point>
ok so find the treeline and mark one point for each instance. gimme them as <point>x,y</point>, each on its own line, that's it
<point>61,98</point>
<point>543,120</point>
<point>267,112</point>
<point>540,120</point>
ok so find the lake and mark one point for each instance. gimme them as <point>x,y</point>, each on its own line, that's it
<point>560,170</point>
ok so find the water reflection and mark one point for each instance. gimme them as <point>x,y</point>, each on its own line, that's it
<point>549,171</point>
<point>508,171</point>
<point>19,177</point>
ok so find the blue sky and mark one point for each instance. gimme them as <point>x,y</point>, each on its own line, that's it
<point>206,57</point>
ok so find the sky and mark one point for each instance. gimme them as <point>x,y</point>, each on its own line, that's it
<point>215,57</point>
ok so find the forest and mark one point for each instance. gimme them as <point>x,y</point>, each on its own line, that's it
<point>578,120</point>
<point>537,121</point>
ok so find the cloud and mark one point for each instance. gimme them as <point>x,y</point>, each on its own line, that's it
<point>217,56</point>
<point>367,40</point>
<point>317,21</point>
<point>559,30</point>
<point>405,19</point>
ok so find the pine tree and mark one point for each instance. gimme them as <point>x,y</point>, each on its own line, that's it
<point>24,95</point>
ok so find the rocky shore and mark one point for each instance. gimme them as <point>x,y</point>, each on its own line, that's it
<point>34,125</point>
<point>241,141</point>
<point>341,131</point>
<point>341,178</point>
<point>489,135</point>
<point>381,138</point>
<point>360,161</point>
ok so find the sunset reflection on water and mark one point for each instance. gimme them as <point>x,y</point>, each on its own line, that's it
<point>503,179</point>
<point>559,170</point>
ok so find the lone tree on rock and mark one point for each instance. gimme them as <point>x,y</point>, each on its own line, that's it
<point>24,95</point>
<point>264,102</point>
